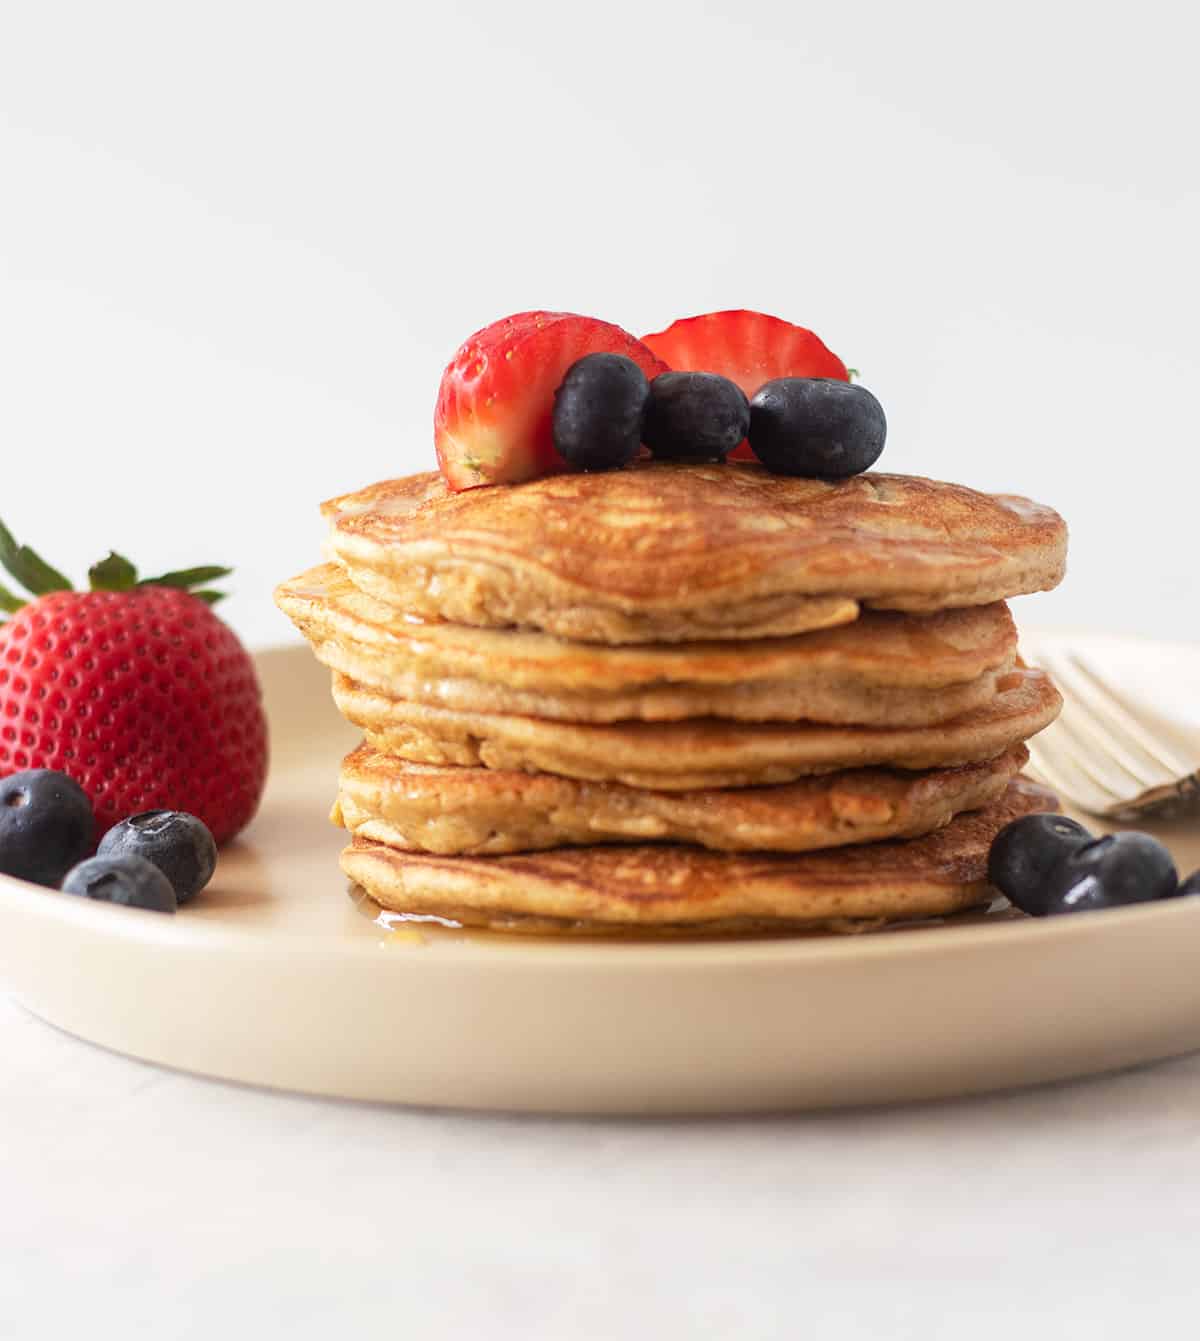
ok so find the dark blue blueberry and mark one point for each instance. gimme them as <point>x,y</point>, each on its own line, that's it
<point>598,412</point>
<point>132,882</point>
<point>816,426</point>
<point>1024,853</point>
<point>180,845</point>
<point>695,416</point>
<point>46,825</point>
<point>1189,886</point>
<point>1110,871</point>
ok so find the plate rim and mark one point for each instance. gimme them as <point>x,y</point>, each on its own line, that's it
<point>189,927</point>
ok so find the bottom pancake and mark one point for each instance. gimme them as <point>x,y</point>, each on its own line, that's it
<point>482,811</point>
<point>671,888</point>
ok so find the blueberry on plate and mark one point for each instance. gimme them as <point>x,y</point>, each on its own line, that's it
<point>179,844</point>
<point>816,426</point>
<point>598,412</point>
<point>695,416</point>
<point>132,882</point>
<point>1189,886</point>
<point>1111,871</point>
<point>46,825</point>
<point>1024,853</point>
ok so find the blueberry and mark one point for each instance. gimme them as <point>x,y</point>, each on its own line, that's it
<point>180,845</point>
<point>1189,886</point>
<point>598,411</point>
<point>1111,871</point>
<point>46,825</point>
<point>132,882</point>
<point>695,416</point>
<point>1024,853</point>
<point>816,426</point>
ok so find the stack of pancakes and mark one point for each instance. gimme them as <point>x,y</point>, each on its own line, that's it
<point>680,696</point>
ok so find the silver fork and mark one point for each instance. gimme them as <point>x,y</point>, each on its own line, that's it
<point>1101,753</point>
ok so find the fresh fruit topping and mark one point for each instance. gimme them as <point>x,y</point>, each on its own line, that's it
<point>816,427</point>
<point>1189,886</point>
<point>1111,871</point>
<point>494,418</point>
<point>750,348</point>
<point>132,882</point>
<point>180,845</point>
<point>137,690</point>
<point>1024,853</point>
<point>598,412</point>
<point>695,416</point>
<point>1048,864</point>
<point>46,825</point>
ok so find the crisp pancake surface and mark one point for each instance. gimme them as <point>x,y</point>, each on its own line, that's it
<point>481,811</point>
<point>667,552</point>
<point>705,752</point>
<point>670,887</point>
<point>885,668</point>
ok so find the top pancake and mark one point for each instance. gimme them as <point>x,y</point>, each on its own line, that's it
<point>669,552</point>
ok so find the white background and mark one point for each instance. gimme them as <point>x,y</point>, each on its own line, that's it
<point>238,243</point>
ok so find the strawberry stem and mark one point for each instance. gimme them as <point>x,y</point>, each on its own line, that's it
<point>113,573</point>
<point>187,578</point>
<point>29,569</point>
<point>8,602</point>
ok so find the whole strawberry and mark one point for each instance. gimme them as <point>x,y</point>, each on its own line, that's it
<point>133,688</point>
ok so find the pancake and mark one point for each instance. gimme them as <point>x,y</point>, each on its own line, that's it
<point>688,755</point>
<point>884,669</point>
<point>666,887</point>
<point>481,811</point>
<point>667,552</point>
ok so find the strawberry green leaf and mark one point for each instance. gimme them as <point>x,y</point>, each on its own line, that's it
<point>29,569</point>
<point>186,578</point>
<point>114,573</point>
<point>9,603</point>
<point>210,597</point>
<point>8,547</point>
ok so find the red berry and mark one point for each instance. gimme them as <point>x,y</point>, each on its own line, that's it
<point>493,421</point>
<point>750,348</point>
<point>144,697</point>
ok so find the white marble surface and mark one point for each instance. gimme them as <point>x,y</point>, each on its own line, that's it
<point>136,1201</point>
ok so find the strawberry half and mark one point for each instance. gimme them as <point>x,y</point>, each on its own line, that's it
<point>749,348</point>
<point>492,424</point>
<point>135,689</point>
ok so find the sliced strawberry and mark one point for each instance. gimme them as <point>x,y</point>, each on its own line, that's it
<point>749,348</point>
<point>492,424</point>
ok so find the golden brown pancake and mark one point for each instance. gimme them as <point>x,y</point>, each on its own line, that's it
<point>482,811</point>
<point>668,887</point>
<point>705,752</point>
<point>884,669</point>
<point>668,552</point>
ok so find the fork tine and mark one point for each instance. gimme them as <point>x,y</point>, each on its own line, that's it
<point>1153,746</point>
<point>1113,726</point>
<point>1099,746</point>
<point>1060,769</point>
<point>1074,756</point>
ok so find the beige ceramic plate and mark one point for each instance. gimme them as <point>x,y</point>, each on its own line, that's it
<point>276,977</point>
